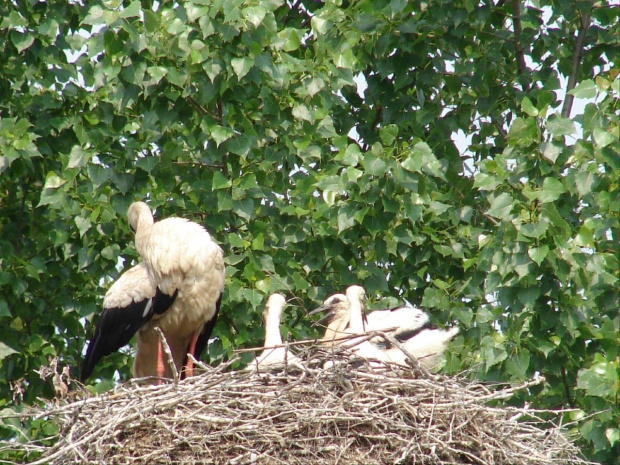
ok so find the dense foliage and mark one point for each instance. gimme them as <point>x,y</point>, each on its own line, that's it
<point>315,141</point>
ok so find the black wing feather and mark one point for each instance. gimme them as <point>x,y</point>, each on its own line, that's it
<point>117,325</point>
<point>403,336</point>
<point>407,334</point>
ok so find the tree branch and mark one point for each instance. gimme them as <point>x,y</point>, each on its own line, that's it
<point>518,30</point>
<point>576,64</point>
<point>567,388</point>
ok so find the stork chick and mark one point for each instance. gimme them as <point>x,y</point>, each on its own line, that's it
<point>274,353</point>
<point>409,326</point>
<point>337,317</point>
<point>401,321</point>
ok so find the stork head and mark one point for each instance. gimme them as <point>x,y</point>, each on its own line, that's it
<point>336,306</point>
<point>139,215</point>
<point>356,294</point>
<point>274,306</point>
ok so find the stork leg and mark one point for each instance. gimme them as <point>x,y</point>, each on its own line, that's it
<point>161,367</point>
<point>189,367</point>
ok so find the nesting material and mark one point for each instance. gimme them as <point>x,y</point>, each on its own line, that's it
<point>350,413</point>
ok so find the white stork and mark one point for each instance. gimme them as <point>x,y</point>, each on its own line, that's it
<point>400,321</point>
<point>337,317</point>
<point>177,288</point>
<point>409,326</point>
<point>274,353</point>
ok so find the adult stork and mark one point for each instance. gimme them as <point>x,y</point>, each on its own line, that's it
<point>274,353</point>
<point>177,288</point>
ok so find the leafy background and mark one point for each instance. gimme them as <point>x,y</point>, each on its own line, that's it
<point>315,141</point>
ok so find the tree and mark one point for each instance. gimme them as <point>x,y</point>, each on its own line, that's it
<point>315,141</point>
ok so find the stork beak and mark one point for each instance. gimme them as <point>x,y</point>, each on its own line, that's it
<point>326,318</point>
<point>320,309</point>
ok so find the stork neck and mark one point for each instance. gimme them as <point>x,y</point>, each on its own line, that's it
<point>335,329</point>
<point>144,222</point>
<point>272,330</point>
<point>356,323</point>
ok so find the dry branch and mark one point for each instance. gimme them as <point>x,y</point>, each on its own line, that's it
<point>350,413</point>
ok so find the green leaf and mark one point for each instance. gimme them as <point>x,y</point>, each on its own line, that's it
<point>302,112</point>
<point>550,151</point>
<point>53,181</point>
<point>486,182</point>
<point>600,380</point>
<point>352,155</point>
<point>585,89</point>
<point>585,181</point>
<point>492,352</point>
<point>518,364</point>
<point>219,181</point>
<point>79,157</point>
<point>220,134</point>
<point>388,134</point>
<point>111,252</point>
<point>4,308</point>
<point>421,159</point>
<point>132,11</point>
<point>559,126</point>
<point>612,435</point>
<point>22,40</point>
<point>346,217</point>
<point>535,230</point>
<point>501,206</point>
<point>244,208</point>
<point>241,66</point>
<point>523,132</point>
<point>329,197</point>
<point>538,254</point>
<point>235,241</point>
<point>603,138</point>
<point>320,25</point>
<point>346,59</point>
<point>552,189</point>
<point>254,14</point>
<point>529,296</point>
<point>528,107</point>
<point>83,224</point>
<point>374,166</point>
<point>147,164</point>
<point>5,351</point>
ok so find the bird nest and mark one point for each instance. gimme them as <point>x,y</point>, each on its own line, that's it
<point>305,414</point>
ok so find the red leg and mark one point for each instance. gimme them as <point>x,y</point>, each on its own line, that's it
<point>161,368</point>
<point>189,368</point>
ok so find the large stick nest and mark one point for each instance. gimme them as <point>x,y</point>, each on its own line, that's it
<point>306,414</point>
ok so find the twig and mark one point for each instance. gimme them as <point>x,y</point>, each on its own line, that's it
<point>341,415</point>
<point>576,63</point>
<point>169,358</point>
<point>518,30</point>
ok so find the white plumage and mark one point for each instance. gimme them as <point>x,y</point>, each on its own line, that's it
<point>407,324</point>
<point>177,287</point>
<point>274,353</point>
<point>397,320</point>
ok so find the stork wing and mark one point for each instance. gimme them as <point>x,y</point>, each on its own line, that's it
<point>403,335</point>
<point>203,338</point>
<point>403,317</point>
<point>129,304</point>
